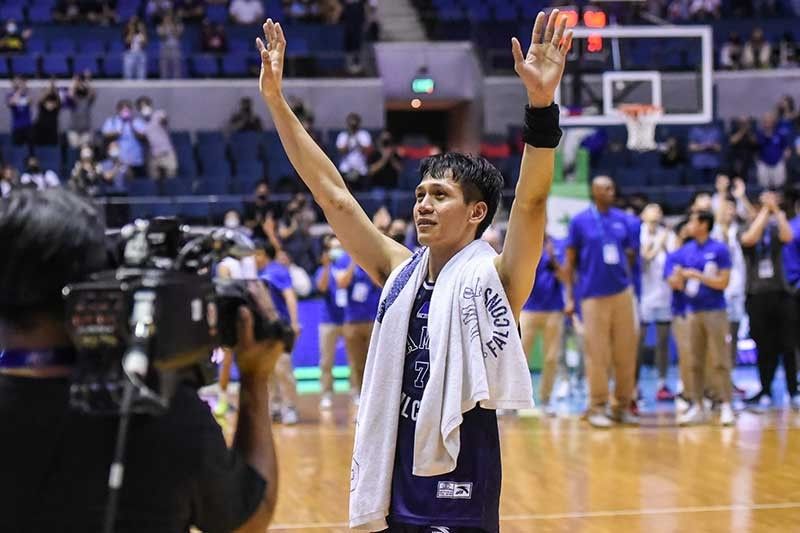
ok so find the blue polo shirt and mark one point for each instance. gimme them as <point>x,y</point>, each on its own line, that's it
<point>678,297</point>
<point>334,299</point>
<point>131,149</point>
<point>709,257</point>
<point>278,279</point>
<point>20,111</point>
<point>705,135</point>
<point>547,294</point>
<point>600,241</point>
<point>363,298</point>
<point>771,147</point>
<point>791,255</point>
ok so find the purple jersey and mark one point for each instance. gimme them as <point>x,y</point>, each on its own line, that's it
<point>469,496</point>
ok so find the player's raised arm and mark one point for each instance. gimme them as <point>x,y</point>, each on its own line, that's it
<point>541,72</point>
<point>376,253</point>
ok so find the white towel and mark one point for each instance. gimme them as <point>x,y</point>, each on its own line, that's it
<point>476,355</point>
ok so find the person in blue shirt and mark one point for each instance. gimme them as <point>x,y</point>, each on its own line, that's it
<point>543,314</point>
<point>773,150</point>
<point>129,131</point>
<point>363,298</point>
<point>600,251</point>
<point>283,389</point>
<point>702,271</point>
<point>331,324</point>
<point>18,101</point>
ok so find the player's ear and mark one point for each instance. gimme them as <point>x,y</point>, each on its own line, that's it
<point>479,211</point>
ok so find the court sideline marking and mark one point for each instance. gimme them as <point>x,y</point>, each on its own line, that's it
<point>594,514</point>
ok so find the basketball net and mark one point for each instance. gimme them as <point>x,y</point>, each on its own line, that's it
<point>641,121</point>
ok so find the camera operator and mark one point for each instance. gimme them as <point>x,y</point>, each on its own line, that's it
<point>55,461</point>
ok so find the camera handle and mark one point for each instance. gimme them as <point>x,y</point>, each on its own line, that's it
<point>135,364</point>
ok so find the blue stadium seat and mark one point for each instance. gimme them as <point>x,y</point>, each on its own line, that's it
<point>182,142</point>
<point>112,66</point>
<point>36,45</point>
<point>665,177</point>
<point>628,179</point>
<point>244,185</point>
<point>55,65</point>
<point>24,65</point>
<point>142,187</point>
<point>505,13</point>
<point>246,146</point>
<point>214,184</point>
<point>234,65</point>
<point>49,157</point>
<point>62,45</point>
<point>221,207</point>
<point>12,11</point>
<point>677,199</point>
<point>152,66</point>
<point>210,139</point>
<point>205,66</point>
<point>176,187</point>
<point>217,13</point>
<point>127,9</point>
<point>645,160</point>
<point>249,171</point>
<point>116,45</point>
<point>16,155</point>
<point>401,204</point>
<point>92,46</point>
<point>40,14</point>
<point>84,62</point>
<point>4,72</point>
<point>297,47</point>
<point>278,165</point>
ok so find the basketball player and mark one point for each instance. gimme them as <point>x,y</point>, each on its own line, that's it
<point>455,202</point>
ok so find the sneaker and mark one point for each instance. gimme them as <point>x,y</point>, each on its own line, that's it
<point>664,394</point>
<point>634,408</point>
<point>795,402</point>
<point>600,420</point>
<point>708,404</point>
<point>737,391</point>
<point>695,415</point>
<point>562,391</point>
<point>550,411</point>
<point>275,413</point>
<point>290,417</point>
<point>726,415</point>
<point>625,417</point>
<point>682,404</point>
<point>760,403</point>
<point>326,401</point>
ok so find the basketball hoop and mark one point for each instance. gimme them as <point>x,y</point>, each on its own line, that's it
<point>641,120</point>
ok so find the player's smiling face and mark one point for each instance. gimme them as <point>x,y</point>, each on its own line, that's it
<point>441,215</point>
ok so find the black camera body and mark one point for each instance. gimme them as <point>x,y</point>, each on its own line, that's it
<point>156,318</point>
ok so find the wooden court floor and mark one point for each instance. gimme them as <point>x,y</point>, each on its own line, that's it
<point>559,475</point>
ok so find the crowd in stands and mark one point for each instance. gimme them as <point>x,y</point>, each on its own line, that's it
<point>169,39</point>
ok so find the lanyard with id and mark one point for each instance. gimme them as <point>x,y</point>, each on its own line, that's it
<point>766,268</point>
<point>610,248</point>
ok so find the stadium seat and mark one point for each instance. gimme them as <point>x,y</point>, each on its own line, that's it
<point>62,45</point>
<point>182,142</point>
<point>55,65</point>
<point>214,185</point>
<point>176,187</point>
<point>40,14</point>
<point>246,146</point>
<point>49,157</point>
<point>142,187</point>
<point>112,66</point>
<point>401,204</point>
<point>628,179</point>
<point>217,13</point>
<point>205,66</point>
<point>94,46</point>
<point>24,65</point>
<point>234,65</point>
<point>85,61</point>
<point>665,177</point>
<point>4,72</point>
<point>12,11</point>
<point>36,45</point>
<point>16,155</point>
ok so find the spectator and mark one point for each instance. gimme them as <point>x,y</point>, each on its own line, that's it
<point>354,20</point>
<point>372,25</point>
<point>37,177</point>
<point>13,38</point>
<point>704,10</point>
<point>190,11</point>
<point>244,119</point>
<point>302,10</point>
<point>261,211</point>
<point>67,12</point>
<point>80,100</point>
<point>49,106</point>
<point>354,144</point>
<point>742,146</point>
<point>212,38</point>
<point>129,131</point>
<point>723,189</point>
<point>161,159</point>
<point>86,177</point>
<point>765,8</point>
<point>787,116</point>
<point>330,11</point>
<point>18,101</point>
<point>385,163</point>
<point>114,171</point>
<point>398,230</point>
<point>135,56</point>
<point>169,52</point>
<point>157,9</point>
<point>787,51</point>
<point>9,180</point>
<point>705,147</point>
<point>730,56</point>
<point>757,51</point>
<point>773,152</point>
<point>293,231</point>
<point>672,154</point>
<point>678,10</point>
<point>247,11</point>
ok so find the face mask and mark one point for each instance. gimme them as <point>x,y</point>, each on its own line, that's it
<point>33,168</point>
<point>147,111</point>
<point>231,222</point>
<point>125,114</point>
<point>11,28</point>
<point>86,154</point>
<point>113,152</point>
<point>263,197</point>
<point>336,253</point>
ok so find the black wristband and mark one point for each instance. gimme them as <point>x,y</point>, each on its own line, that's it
<point>541,126</point>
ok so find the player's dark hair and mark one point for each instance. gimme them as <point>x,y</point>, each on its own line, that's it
<point>480,180</point>
<point>49,239</point>
<point>705,217</point>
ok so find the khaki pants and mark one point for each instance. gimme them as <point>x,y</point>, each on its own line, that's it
<point>708,333</point>
<point>356,338</point>
<point>282,385</point>
<point>680,332</point>
<point>610,340</point>
<point>551,326</point>
<point>166,162</point>
<point>328,335</point>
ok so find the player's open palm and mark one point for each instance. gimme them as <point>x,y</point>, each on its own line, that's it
<point>541,69</point>
<point>272,52</point>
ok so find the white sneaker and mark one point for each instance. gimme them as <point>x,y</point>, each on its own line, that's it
<point>681,405</point>
<point>549,410</point>
<point>290,417</point>
<point>600,421</point>
<point>796,402</point>
<point>765,402</point>
<point>326,401</point>
<point>708,404</point>
<point>562,391</point>
<point>726,415</point>
<point>694,415</point>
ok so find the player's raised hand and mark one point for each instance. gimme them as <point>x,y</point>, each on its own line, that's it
<point>541,69</point>
<point>272,52</point>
